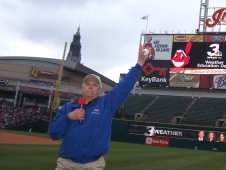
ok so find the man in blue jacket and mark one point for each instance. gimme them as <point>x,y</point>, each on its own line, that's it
<point>86,130</point>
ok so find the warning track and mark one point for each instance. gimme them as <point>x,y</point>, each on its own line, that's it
<point>13,138</point>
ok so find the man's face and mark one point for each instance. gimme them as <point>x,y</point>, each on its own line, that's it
<point>211,135</point>
<point>201,134</point>
<point>221,137</point>
<point>91,89</point>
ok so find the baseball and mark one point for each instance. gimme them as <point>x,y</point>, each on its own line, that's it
<point>145,52</point>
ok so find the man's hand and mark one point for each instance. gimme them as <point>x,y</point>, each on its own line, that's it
<point>142,56</point>
<point>77,114</point>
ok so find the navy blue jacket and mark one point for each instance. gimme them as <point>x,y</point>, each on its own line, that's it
<point>88,141</point>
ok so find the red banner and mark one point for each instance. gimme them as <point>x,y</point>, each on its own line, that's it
<point>157,141</point>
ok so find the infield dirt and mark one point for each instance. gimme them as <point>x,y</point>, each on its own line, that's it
<point>13,138</point>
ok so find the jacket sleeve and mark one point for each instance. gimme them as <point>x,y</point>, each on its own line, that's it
<point>116,97</point>
<point>60,123</point>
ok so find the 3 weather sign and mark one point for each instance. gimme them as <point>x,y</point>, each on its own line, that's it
<point>196,61</point>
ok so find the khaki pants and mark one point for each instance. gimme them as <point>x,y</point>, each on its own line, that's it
<point>67,164</point>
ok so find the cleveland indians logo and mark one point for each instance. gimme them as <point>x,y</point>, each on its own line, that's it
<point>181,58</point>
<point>217,17</point>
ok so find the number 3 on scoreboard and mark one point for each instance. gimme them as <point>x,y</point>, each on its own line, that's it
<point>215,49</point>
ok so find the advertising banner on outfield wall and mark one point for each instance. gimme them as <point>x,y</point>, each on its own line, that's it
<point>157,141</point>
<point>156,131</point>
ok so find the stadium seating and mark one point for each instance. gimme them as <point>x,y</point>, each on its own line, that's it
<point>205,111</point>
<point>167,107</point>
<point>163,109</point>
<point>136,103</point>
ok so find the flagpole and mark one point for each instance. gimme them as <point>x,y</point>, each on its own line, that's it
<point>145,18</point>
<point>140,43</point>
<point>146,24</point>
<point>141,35</point>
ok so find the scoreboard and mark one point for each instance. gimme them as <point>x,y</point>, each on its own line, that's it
<point>185,60</point>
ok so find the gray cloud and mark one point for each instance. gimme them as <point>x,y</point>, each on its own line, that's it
<point>110,30</point>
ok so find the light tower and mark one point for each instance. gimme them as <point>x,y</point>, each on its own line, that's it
<point>56,99</point>
<point>211,19</point>
<point>203,15</point>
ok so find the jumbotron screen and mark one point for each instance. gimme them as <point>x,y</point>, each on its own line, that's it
<point>185,60</point>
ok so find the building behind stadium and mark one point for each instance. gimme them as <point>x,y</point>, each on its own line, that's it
<point>30,81</point>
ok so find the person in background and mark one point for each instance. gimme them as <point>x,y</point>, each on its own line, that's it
<point>151,50</point>
<point>211,137</point>
<point>221,137</point>
<point>201,135</point>
<point>85,131</point>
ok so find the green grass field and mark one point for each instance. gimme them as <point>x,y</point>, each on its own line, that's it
<point>122,156</point>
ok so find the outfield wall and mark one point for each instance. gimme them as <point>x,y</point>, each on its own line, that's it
<point>184,136</point>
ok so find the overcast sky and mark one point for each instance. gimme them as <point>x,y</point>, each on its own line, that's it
<point>110,29</point>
